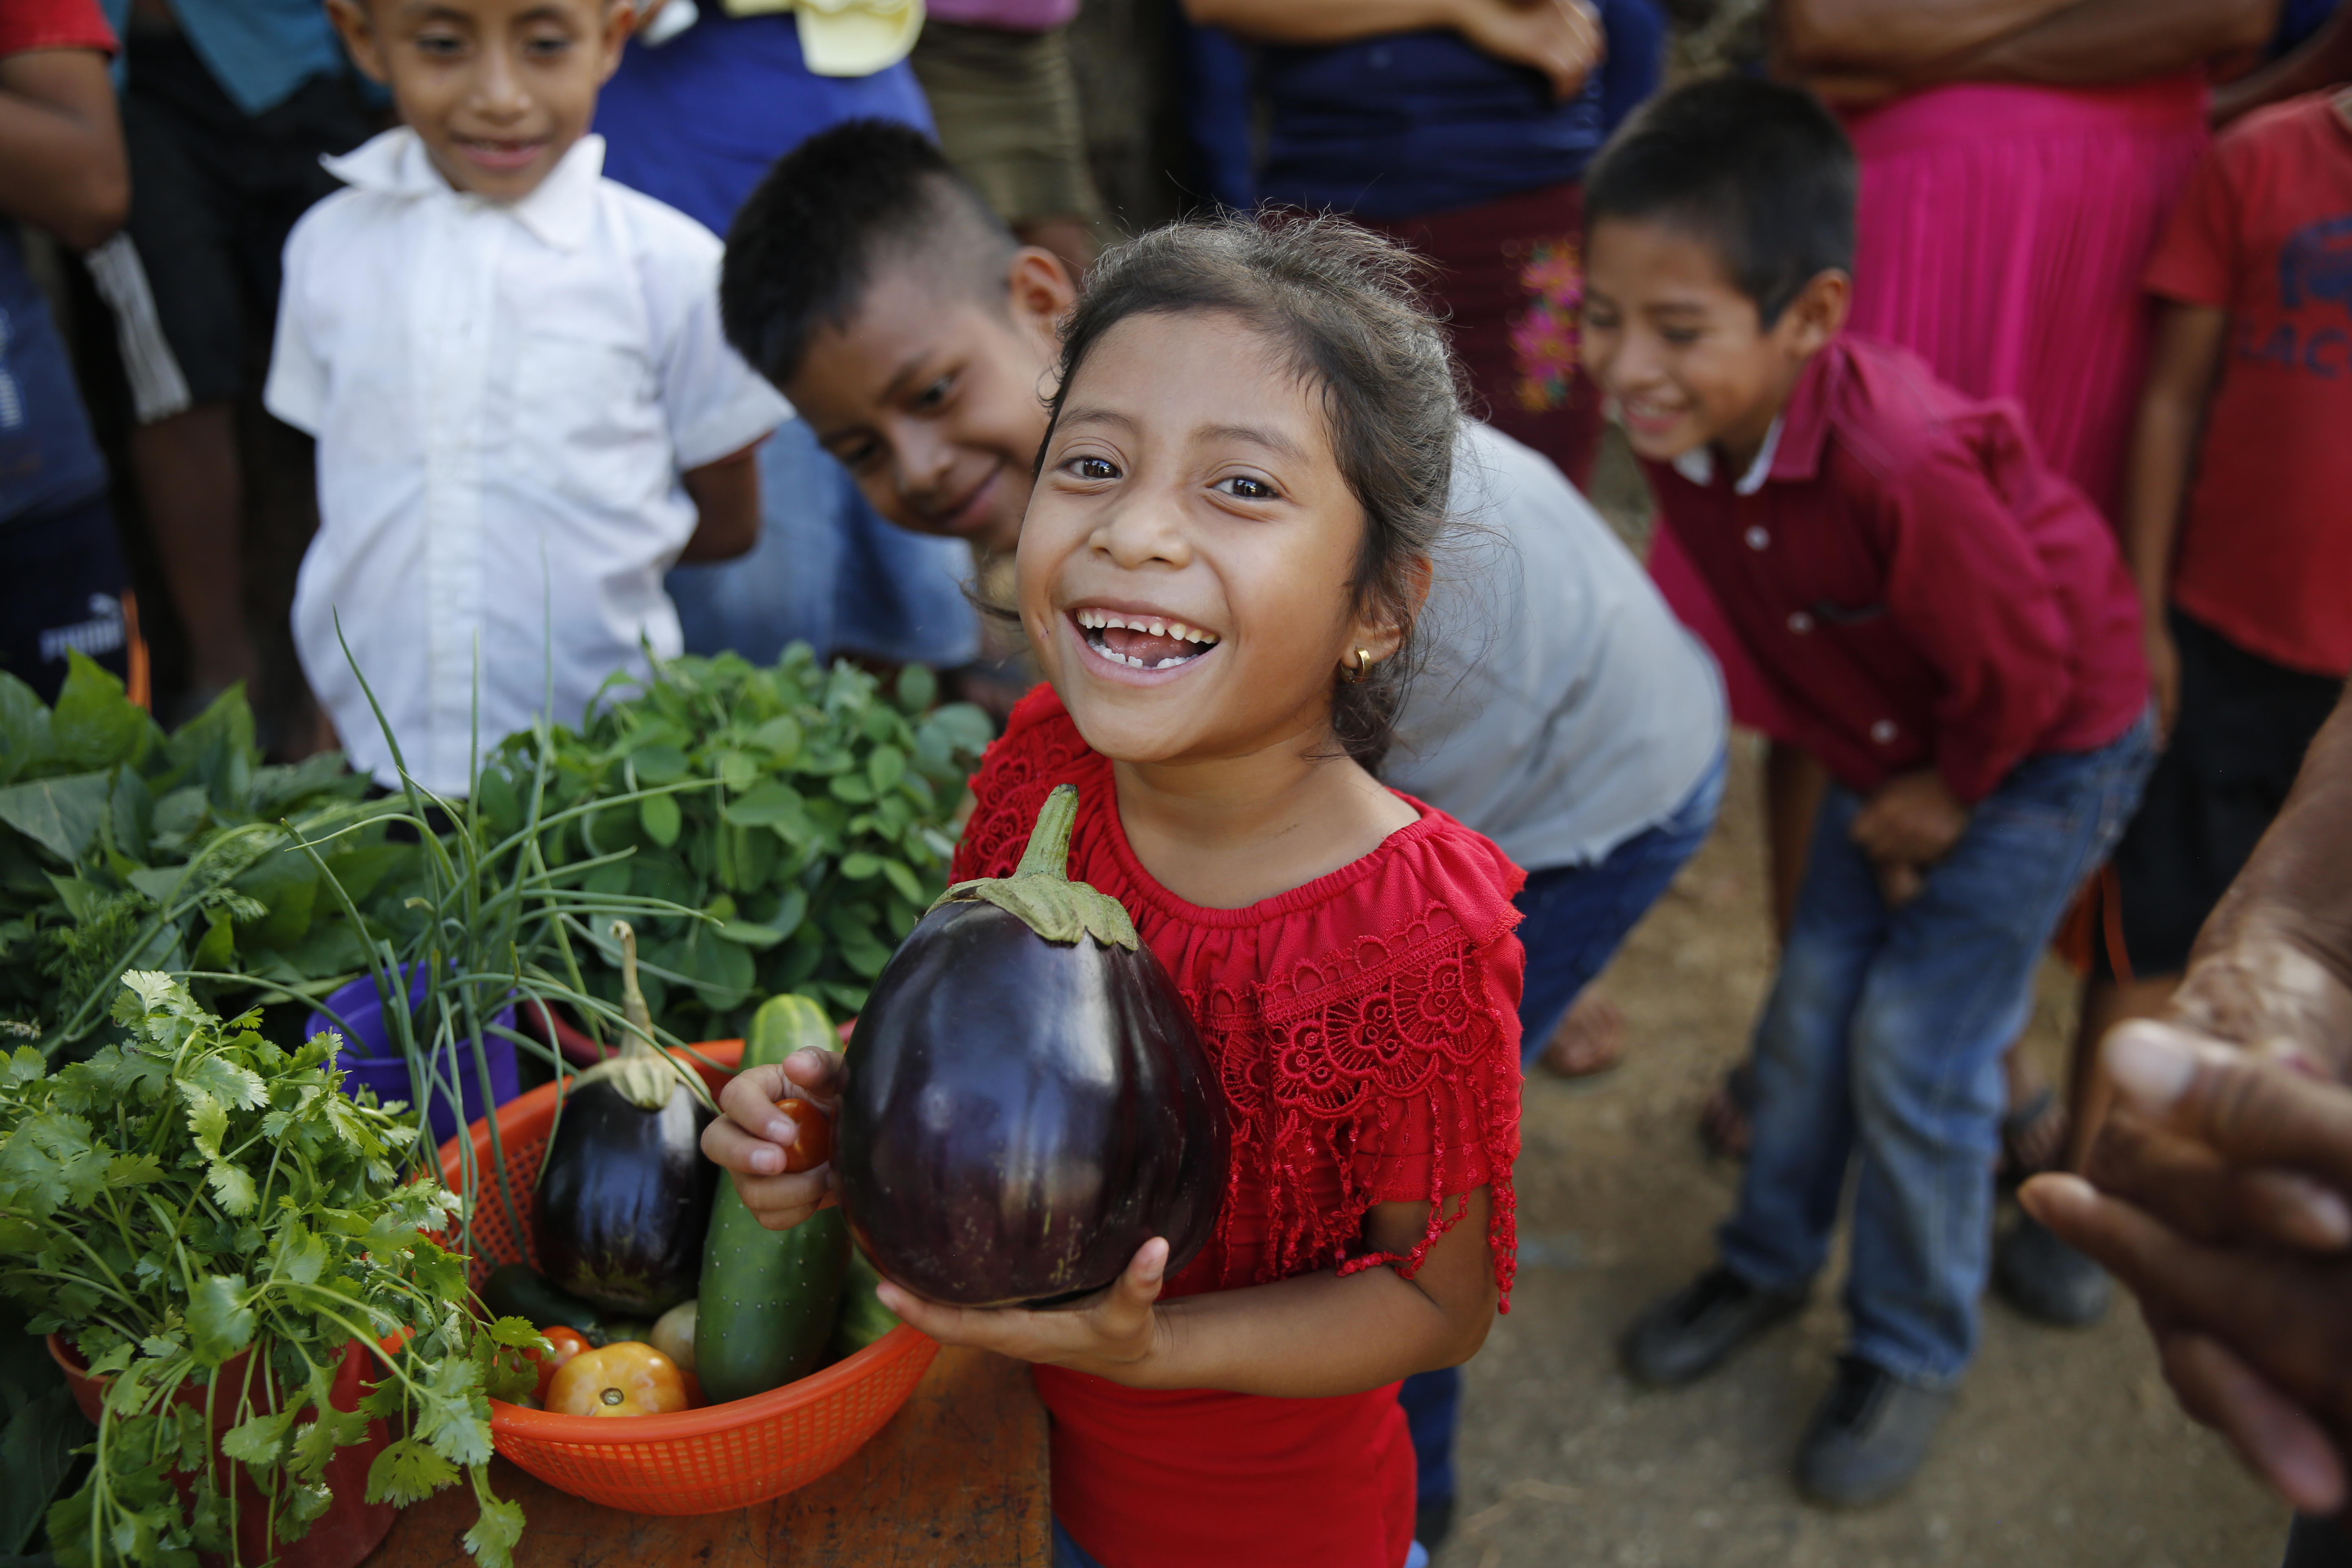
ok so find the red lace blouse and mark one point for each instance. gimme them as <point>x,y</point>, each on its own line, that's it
<point>1365,1027</point>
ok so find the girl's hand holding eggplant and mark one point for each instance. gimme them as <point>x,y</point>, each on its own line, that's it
<point>752,1140</point>
<point>1111,1333</point>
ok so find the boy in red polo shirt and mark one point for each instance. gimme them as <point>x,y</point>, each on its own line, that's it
<point>2236,523</point>
<point>1949,627</point>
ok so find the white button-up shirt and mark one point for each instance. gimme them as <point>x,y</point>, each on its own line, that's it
<point>505,397</point>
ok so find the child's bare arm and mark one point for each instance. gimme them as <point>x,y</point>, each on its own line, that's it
<point>1561,38</point>
<point>1309,1337</point>
<point>726,497</point>
<point>2188,357</point>
<point>1867,50</point>
<point>2323,61</point>
<point>61,162</point>
<point>1897,37</point>
<point>2097,41</point>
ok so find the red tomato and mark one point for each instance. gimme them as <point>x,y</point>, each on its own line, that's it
<point>813,1147</point>
<point>568,1342</point>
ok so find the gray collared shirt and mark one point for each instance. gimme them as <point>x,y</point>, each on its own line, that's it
<point>1562,708</point>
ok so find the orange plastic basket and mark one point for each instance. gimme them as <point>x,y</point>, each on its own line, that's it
<point>707,1460</point>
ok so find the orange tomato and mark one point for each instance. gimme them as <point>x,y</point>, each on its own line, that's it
<point>624,1379</point>
<point>568,1342</point>
<point>813,1147</point>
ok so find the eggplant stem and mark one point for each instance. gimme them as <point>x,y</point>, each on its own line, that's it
<point>1048,853</point>
<point>644,1076</point>
<point>633,1000</point>
<point>1040,891</point>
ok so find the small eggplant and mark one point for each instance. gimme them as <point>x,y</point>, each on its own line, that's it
<point>1027,1100</point>
<point>626,1192</point>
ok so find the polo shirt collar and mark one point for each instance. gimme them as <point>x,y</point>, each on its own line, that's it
<point>1697,465</point>
<point>1792,447</point>
<point>559,212</point>
<point>1805,422</point>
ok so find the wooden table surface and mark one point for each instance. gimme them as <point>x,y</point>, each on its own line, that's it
<point>957,1479</point>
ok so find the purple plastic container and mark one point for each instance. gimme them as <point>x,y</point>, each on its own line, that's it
<point>368,1056</point>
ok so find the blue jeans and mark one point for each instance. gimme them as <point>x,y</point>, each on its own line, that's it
<point>1880,1050</point>
<point>1432,1403</point>
<point>1572,919</point>
<point>828,572</point>
<point>1068,1554</point>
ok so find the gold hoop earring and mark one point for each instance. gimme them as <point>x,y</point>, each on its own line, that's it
<point>1363,671</point>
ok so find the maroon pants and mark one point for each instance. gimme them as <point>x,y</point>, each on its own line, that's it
<point>1509,277</point>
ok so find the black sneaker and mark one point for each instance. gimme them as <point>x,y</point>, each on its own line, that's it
<point>2045,1279</point>
<point>1432,1521</point>
<point>1869,1438</point>
<point>1688,1334</point>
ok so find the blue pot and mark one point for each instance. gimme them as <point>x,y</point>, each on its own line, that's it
<point>370,1059</point>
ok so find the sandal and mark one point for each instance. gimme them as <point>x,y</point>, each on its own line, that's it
<point>2034,1136</point>
<point>1723,1120</point>
<point>1589,1039</point>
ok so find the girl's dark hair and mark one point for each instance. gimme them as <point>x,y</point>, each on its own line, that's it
<point>1341,300</point>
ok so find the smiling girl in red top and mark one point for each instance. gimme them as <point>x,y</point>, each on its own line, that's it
<point>1238,498</point>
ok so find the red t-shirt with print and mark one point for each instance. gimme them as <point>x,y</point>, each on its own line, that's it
<point>2265,232</point>
<point>29,25</point>
<point>1365,1030</point>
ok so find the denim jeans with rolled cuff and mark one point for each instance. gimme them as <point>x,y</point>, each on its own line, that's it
<point>828,571</point>
<point>1879,1053</point>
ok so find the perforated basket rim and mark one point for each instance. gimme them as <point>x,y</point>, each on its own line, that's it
<point>528,1116</point>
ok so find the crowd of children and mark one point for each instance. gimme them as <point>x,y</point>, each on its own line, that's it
<point>1264,529</point>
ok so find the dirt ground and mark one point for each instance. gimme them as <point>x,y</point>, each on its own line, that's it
<point>2065,1448</point>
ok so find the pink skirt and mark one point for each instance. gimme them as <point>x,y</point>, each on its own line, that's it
<point>2002,235</point>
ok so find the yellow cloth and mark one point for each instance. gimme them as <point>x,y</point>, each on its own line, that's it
<point>845,38</point>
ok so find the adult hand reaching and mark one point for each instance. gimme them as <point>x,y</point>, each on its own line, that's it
<point>2220,1190</point>
<point>2245,1279</point>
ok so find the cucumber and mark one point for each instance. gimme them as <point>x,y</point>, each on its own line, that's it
<point>769,1298</point>
<point>516,1290</point>
<point>863,1318</point>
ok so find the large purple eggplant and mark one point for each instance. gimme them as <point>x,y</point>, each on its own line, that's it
<point>1028,1101</point>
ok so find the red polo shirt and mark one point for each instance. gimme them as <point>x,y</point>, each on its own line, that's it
<point>1917,585</point>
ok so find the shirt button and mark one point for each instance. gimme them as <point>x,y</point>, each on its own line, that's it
<point>1800,623</point>
<point>1756,538</point>
<point>1883,731</point>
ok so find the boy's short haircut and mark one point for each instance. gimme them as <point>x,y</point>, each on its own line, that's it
<point>834,212</point>
<point>1760,171</point>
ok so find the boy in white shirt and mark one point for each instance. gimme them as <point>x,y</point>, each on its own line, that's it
<point>525,409</point>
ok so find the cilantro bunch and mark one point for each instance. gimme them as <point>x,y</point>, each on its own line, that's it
<point>195,1209</point>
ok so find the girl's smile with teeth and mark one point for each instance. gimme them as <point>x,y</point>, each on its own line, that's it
<point>1187,563</point>
<point>1142,641</point>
